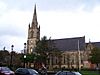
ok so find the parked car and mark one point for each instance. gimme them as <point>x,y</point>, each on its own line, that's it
<point>26,71</point>
<point>6,71</point>
<point>67,73</point>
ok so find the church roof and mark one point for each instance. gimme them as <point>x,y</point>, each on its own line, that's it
<point>95,44</point>
<point>70,44</point>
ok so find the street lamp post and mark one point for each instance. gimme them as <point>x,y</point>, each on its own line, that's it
<point>25,48</point>
<point>79,59</point>
<point>11,55</point>
<point>24,54</point>
<point>24,61</point>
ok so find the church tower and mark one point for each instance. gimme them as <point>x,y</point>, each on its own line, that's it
<point>33,33</point>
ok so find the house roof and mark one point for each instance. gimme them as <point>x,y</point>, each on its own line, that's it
<point>70,44</point>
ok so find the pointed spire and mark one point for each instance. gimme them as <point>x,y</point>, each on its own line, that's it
<point>29,26</point>
<point>39,27</point>
<point>90,44</point>
<point>35,10</point>
<point>34,21</point>
<point>89,40</point>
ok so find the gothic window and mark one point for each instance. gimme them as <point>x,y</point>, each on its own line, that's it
<point>81,61</point>
<point>73,58</point>
<point>56,60</point>
<point>64,59</point>
<point>52,59</point>
<point>31,50</point>
<point>28,42</point>
<point>31,34</point>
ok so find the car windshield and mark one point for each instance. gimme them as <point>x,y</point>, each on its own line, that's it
<point>22,71</point>
<point>62,73</point>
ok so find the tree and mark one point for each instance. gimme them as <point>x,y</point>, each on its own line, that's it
<point>95,56</point>
<point>16,59</point>
<point>47,50</point>
<point>30,58</point>
<point>4,57</point>
<point>42,49</point>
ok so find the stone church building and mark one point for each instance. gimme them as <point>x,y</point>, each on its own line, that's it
<point>75,50</point>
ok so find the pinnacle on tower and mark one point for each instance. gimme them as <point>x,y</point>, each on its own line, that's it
<point>29,26</point>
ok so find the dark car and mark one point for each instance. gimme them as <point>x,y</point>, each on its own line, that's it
<point>26,71</point>
<point>67,73</point>
<point>6,71</point>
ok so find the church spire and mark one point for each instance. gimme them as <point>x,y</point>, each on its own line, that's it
<point>33,33</point>
<point>34,20</point>
<point>35,10</point>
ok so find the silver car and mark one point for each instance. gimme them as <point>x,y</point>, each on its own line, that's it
<point>26,71</point>
<point>67,73</point>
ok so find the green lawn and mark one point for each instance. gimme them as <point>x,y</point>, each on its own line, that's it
<point>90,73</point>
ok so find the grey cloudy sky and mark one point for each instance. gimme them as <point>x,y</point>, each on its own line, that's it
<point>57,18</point>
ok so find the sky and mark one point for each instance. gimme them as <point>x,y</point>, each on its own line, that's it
<point>57,19</point>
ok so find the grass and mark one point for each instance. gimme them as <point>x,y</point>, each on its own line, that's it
<point>90,73</point>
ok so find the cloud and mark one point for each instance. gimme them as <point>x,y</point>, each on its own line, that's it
<point>63,19</point>
<point>3,8</point>
<point>68,5</point>
<point>14,22</point>
<point>13,28</point>
<point>7,41</point>
<point>65,24</point>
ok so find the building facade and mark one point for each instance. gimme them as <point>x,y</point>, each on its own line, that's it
<point>75,50</point>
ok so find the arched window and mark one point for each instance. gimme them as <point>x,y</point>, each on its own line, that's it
<point>31,34</point>
<point>31,50</point>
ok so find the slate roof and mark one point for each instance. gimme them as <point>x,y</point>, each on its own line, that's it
<point>70,44</point>
<point>96,44</point>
